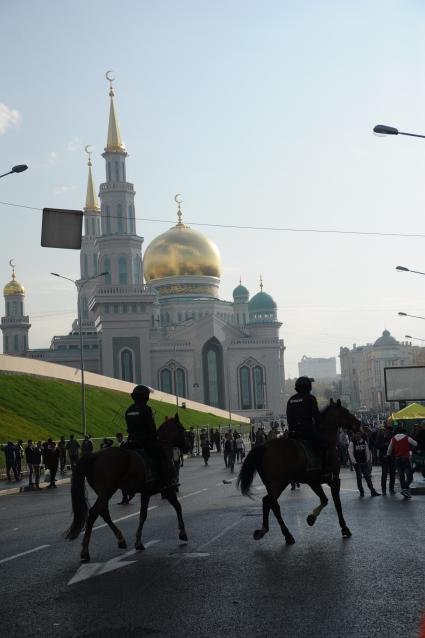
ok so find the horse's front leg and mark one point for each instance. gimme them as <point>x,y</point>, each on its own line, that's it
<point>100,505</point>
<point>174,501</point>
<point>317,489</point>
<point>335,486</point>
<point>144,503</point>
<point>118,534</point>
<point>259,533</point>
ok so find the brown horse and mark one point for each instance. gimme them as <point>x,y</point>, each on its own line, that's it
<point>283,460</point>
<point>115,468</point>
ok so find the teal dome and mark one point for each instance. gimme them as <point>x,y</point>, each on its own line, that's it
<point>262,309</point>
<point>241,293</point>
<point>262,301</point>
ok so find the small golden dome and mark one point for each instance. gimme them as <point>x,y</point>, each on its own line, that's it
<point>181,251</point>
<point>13,287</point>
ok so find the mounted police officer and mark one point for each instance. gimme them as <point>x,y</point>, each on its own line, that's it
<point>303,416</point>
<point>141,430</point>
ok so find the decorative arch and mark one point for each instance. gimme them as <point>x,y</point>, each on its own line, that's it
<point>107,268</point>
<point>212,363</point>
<point>126,359</point>
<point>122,270</point>
<point>252,385</point>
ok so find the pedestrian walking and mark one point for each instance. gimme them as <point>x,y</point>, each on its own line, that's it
<point>240,449</point>
<point>205,448</point>
<point>86,445</point>
<point>400,445</point>
<point>10,456</point>
<point>343,443</point>
<point>230,451</point>
<point>361,459</point>
<point>387,461</point>
<point>19,456</point>
<point>29,461</point>
<point>191,441</point>
<point>106,443</point>
<point>37,460</point>
<point>216,439</point>
<point>62,455</point>
<point>73,451</point>
<point>51,462</point>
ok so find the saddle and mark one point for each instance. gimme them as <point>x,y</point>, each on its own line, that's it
<point>150,465</point>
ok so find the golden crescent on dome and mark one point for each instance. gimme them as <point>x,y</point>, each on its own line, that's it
<point>86,148</point>
<point>178,198</point>
<point>11,264</point>
<point>109,77</point>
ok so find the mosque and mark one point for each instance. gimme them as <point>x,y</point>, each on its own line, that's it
<point>159,320</point>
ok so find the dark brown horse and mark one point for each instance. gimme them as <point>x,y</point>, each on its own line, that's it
<point>284,460</point>
<point>116,468</point>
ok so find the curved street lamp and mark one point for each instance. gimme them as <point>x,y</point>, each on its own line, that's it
<point>404,314</point>
<point>383,129</point>
<point>405,269</point>
<point>415,338</point>
<point>79,284</point>
<point>19,168</point>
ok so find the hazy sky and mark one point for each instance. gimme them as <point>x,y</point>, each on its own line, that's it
<point>260,112</point>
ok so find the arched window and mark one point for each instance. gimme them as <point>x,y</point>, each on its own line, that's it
<point>107,268</point>
<point>258,383</point>
<point>85,266</point>
<point>165,380</point>
<point>117,171</point>
<point>22,307</point>
<point>120,224</point>
<point>16,343</point>
<point>14,308</point>
<point>127,365</point>
<point>108,220</point>
<point>180,382</point>
<point>131,222</point>
<point>212,358</point>
<point>94,264</point>
<point>84,309</point>
<point>8,308</point>
<point>109,168</point>
<point>245,388</point>
<point>122,268</point>
<point>137,269</point>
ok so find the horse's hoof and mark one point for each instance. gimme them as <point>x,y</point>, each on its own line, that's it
<point>311,519</point>
<point>258,534</point>
<point>346,532</point>
<point>183,536</point>
<point>139,546</point>
<point>122,544</point>
<point>85,557</point>
<point>290,540</point>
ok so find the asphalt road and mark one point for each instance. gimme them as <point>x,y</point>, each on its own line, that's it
<point>222,583</point>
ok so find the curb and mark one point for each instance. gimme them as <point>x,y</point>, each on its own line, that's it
<point>25,488</point>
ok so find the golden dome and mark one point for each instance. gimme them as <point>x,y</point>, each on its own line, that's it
<point>13,287</point>
<point>181,251</point>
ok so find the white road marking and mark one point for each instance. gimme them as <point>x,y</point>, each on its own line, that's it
<point>205,489</point>
<point>29,551</point>
<point>89,570</point>
<point>123,518</point>
<point>190,555</point>
<point>215,538</point>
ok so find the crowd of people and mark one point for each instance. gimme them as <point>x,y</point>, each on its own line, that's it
<point>49,456</point>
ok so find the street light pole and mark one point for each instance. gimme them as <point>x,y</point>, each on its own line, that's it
<point>20,168</point>
<point>79,284</point>
<point>404,314</point>
<point>415,338</point>
<point>383,129</point>
<point>405,269</point>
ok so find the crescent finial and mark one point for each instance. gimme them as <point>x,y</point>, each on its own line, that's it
<point>178,199</point>
<point>12,265</point>
<point>89,152</point>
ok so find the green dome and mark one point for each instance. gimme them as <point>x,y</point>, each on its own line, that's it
<point>240,292</point>
<point>262,301</point>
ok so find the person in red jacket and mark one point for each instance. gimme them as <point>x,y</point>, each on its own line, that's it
<point>400,446</point>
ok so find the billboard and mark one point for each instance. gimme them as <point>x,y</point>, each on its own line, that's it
<point>406,383</point>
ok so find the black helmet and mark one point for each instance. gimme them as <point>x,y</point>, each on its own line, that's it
<point>303,384</point>
<point>141,391</point>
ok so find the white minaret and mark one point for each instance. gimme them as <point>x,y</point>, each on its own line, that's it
<point>15,325</point>
<point>89,260</point>
<point>119,248</point>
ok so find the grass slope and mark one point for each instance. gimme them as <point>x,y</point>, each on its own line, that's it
<point>36,407</point>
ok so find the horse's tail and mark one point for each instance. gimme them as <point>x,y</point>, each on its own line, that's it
<point>80,506</point>
<point>250,466</point>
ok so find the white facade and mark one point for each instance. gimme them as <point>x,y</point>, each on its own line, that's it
<point>173,332</point>
<point>362,370</point>
<point>321,369</point>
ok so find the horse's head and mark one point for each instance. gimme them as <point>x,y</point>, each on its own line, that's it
<point>171,432</point>
<point>336,415</point>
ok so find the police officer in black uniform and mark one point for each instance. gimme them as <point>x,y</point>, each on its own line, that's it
<point>303,416</point>
<point>142,432</point>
